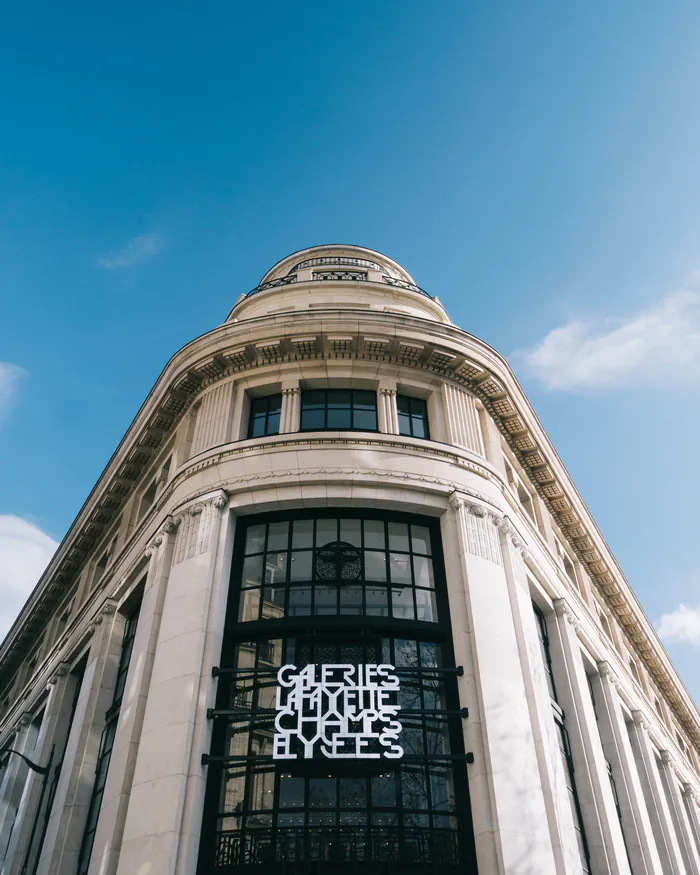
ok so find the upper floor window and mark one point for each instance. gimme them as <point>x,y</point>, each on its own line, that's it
<point>264,416</point>
<point>413,416</point>
<point>338,410</point>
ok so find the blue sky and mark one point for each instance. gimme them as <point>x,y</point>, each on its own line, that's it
<point>534,165</point>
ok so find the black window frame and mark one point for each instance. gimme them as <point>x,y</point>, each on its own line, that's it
<point>327,631</point>
<point>260,410</point>
<point>408,419</point>
<point>107,742</point>
<point>354,406</point>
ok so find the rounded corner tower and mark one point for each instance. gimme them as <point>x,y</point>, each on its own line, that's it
<point>335,606</point>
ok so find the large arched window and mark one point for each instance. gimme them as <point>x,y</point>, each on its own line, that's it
<point>352,758</point>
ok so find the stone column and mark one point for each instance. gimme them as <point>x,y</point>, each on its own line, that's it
<point>603,833</point>
<point>115,799</point>
<point>15,778</point>
<point>388,414</point>
<point>289,415</point>
<point>167,769</point>
<point>635,817</point>
<point>678,815</point>
<point>462,419</point>
<point>510,817</point>
<point>691,799</point>
<point>69,809</point>
<point>650,779</point>
<point>18,849</point>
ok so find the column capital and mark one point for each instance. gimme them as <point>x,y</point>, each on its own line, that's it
<point>639,720</point>
<point>605,671</point>
<point>667,758</point>
<point>384,390</point>
<point>563,610</point>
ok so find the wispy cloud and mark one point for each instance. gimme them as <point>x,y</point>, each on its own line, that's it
<point>604,353</point>
<point>10,375</point>
<point>25,552</point>
<point>139,249</point>
<point>681,626</point>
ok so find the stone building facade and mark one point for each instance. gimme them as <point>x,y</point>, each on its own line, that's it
<point>336,606</point>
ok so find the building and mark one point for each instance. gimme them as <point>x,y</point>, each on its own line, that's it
<point>336,606</point>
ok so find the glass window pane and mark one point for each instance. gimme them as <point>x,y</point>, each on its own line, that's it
<point>276,568</point>
<point>398,536</point>
<point>300,601</point>
<point>353,793</point>
<point>322,792</point>
<point>376,602</point>
<point>374,535</point>
<point>326,531</point>
<point>423,571</point>
<point>375,565</point>
<point>365,398</point>
<point>405,653</point>
<point>301,563</point>
<point>263,790</point>
<point>419,427</point>
<point>404,424</point>
<point>403,402</point>
<point>274,403</point>
<point>441,789</point>
<point>273,602</point>
<point>313,420</point>
<point>252,570</point>
<point>384,791</point>
<point>400,564</point>
<point>313,399</point>
<point>340,418</point>
<point>414,790</point>
<point>255,539</point>
<point>426,610</point>
<point>402,603</point>
<point>277,538</point>
<point>339,398</point>
<point>250,605</point>
<point>351,532</point>
<point>273,424</point>
<point>420,540</point>
<point>351,600</point>
<point>257,406</point>
<point>326,600</point>
<point>257,427</point>
<point>303,534</point>
<point>365,420</point>
<point>291,792</point>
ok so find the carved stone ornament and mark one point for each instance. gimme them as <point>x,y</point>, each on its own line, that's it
<point>639,720</point>
<point>564,612</point>
<point>221,500</point>
<point>196,509</point>
<point>666,758</point>
<point>508,530</point>
<point>25,719</point>
<point>477,510</point>
<point>605,671</point>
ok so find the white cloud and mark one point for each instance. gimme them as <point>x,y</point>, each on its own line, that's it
<point>140,248</point>
<point>599,354</point>
<point>681,626</point>
<point>10,375</point>
<point>25,552</point>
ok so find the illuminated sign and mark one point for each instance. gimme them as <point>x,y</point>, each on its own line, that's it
<point>339,711</point>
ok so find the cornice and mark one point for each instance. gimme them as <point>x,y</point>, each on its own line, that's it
<point>235,349</point>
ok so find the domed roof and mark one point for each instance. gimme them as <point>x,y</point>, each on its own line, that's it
<point>337,254</point>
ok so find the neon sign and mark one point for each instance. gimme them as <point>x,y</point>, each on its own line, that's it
<point>339,711</point>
